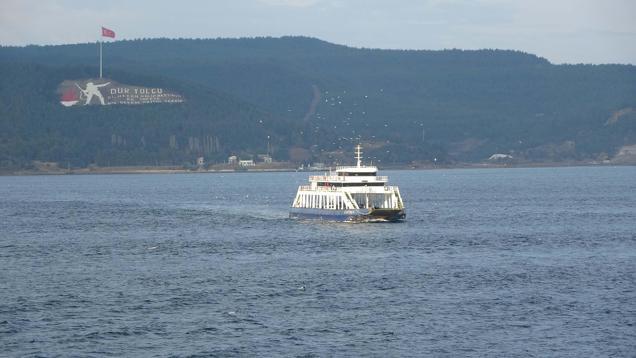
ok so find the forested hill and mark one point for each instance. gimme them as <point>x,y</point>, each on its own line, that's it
<point>405,106</point>
<point>35,126</point>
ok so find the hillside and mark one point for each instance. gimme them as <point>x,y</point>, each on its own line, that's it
<point>406,106</point>
<point>34,126</point>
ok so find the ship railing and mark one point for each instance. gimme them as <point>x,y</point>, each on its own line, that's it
<point>344,167</point>
<point>346,178</point>
<point>339,188</point>
<point>318,188</point>
<point>326,178</point>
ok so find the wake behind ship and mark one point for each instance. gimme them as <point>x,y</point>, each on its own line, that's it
<point>351,194</point>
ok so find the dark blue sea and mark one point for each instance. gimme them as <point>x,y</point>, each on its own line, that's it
<point>490,262</point>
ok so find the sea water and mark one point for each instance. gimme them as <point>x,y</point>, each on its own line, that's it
<point>492,262</point>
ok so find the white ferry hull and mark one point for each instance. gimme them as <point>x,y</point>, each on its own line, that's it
<point>355,215</point>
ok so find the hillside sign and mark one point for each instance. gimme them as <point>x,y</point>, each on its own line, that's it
<point>103,91</point>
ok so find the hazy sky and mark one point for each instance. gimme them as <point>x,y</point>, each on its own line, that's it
<point>571,31</point>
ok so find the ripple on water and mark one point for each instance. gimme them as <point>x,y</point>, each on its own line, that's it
<point>521,262</point>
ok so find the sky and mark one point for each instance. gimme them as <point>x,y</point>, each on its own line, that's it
<point>563,31</point>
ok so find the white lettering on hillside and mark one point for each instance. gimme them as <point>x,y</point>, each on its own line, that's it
<point>80,92</point>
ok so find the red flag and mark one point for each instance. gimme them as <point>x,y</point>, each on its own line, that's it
<point>108,33</point>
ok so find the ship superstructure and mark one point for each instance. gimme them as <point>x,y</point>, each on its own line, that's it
<point>351,193</point>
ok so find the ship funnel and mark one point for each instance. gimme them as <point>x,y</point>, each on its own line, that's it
<point>359,155</point>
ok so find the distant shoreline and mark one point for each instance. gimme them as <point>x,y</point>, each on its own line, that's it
<point>175,170</point>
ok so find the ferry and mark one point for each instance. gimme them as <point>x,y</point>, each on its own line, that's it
<point>351,194</point>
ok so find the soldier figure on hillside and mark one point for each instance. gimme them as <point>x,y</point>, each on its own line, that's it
<point>92,90</point>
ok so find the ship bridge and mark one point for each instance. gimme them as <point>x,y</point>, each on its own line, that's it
<point>350,176</point>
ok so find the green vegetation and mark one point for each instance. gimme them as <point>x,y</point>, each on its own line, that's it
<point>405,106</point>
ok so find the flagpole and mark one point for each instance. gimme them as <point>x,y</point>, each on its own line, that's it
<point>100,59</point>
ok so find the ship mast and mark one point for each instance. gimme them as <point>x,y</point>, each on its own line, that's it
<point>359,155</point>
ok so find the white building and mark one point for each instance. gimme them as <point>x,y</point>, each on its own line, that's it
<point>499,156</point>
<point>265,158</point>
<point>246,163</point>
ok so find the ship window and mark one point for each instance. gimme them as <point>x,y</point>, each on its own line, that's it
<point>362,184</point>
<point>343,174</point>
<point>350,184</point>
